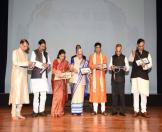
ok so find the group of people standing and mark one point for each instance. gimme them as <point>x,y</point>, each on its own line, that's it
<point>79,73</point>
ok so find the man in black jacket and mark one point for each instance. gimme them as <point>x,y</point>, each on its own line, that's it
<point>141,63</point>
<point>118,65</point>
<point>39,81</point>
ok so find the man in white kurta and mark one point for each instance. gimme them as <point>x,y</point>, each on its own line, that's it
<point>19,94</point>
<point>141,64</point>
<point>39,81</point>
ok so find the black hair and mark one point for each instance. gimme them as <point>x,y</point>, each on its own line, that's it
<point>61,51</point>
<point>77,47</point>
<point>22,41</point>
<point>118,45</point>
<point>97,44</point>
<point>140,40</point>
<point>42,41</point>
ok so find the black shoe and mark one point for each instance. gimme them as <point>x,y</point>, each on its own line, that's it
<point>122,114</point>
<point>114,113</point>
<point>42,114</point>
<point>34,114</point>
<point>145,114</point>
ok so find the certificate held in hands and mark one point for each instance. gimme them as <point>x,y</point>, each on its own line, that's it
<point>44,69</point>
<point>65,75</point>
<point>85,71</point>
<point>141,61</point>
<point>29,67</point>
<point>103,66</point>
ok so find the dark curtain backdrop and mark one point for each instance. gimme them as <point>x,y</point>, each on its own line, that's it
<point>3,43</point>
<point>159,46</point>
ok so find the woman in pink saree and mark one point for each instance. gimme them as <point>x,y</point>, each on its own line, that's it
<point>59,87</point>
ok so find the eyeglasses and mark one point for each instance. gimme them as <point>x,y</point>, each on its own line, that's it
<point>118,51</point>
<point>141,46</point>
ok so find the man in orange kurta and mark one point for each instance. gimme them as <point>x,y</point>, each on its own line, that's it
<point>98,65</point>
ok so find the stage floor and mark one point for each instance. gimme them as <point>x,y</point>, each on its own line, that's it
<point>85,123</point>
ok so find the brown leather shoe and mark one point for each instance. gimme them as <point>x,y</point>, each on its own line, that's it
<point>42,114</point>
<point>104,113</point>
<point>145,114</point>
<point>34,114</point>
<point>136,114</point>
<point>94,113</point>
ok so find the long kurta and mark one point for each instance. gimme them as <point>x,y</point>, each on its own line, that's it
<point>140,85</point>
<point>19,85</point>
<point>39,84</point>
<point>97,92</point>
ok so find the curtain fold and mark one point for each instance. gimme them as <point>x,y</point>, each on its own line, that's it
<point>3,42</point>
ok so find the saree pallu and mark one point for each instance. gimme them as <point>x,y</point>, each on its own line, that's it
<point>59,87</point>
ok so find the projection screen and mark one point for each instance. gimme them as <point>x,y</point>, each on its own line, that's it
<point>64,23</point>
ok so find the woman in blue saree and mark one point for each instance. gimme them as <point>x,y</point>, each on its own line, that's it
<point>79,82</point>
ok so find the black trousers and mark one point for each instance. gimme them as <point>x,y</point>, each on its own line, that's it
<point>118,97</point>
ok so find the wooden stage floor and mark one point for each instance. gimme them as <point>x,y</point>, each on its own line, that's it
<point>85,123</point>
